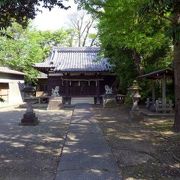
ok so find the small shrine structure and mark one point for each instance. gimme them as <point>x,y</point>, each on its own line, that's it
<point>163,75</point>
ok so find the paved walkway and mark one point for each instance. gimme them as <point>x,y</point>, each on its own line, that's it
<point>86,155</point>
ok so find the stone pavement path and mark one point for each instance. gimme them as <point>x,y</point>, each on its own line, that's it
<point>86,155</point>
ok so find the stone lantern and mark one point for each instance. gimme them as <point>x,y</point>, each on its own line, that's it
<point>134,93</point>
<point>29,117</point>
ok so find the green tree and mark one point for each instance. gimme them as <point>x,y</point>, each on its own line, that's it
<point>148,27</point>
<point>169,10</point>
<point>21,51</point>
<point>123,34</point>
<point>27,47</point>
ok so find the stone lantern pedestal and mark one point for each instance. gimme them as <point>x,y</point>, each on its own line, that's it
<point>29,117</point>
<point>134,112</point>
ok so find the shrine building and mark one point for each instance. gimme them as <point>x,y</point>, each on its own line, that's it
<point>77,72</point>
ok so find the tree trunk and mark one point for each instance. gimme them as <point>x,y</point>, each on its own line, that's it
<point>177,86</point>
<point>177,65</point>
<point>137,60</point>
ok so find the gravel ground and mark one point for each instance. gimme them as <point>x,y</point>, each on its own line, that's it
<point>31,152</point>
<point>144,150</point>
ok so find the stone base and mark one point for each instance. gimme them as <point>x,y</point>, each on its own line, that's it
<point>55,103</point>
<point>109,101</point>
<point>29,119</point>
<point>136,116</point>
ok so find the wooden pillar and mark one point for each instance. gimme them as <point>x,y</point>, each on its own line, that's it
<point>66,88</point>
<point>153,92</point>
<point>49,88</point>
<point>98,90</point>
<point>164,90</point>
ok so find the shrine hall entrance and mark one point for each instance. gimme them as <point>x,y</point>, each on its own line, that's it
<point>82,88</point>
<point>82,91</point>
<point>73,86</point>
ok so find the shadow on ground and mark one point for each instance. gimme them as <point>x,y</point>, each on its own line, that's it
<point>31,152</point>
<point>143,150</point>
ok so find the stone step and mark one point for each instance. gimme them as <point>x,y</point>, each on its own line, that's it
<point>82,100</point>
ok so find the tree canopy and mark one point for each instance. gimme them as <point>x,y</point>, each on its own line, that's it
<point>134,45</point>
<point>29,46</point>
<point>146,32</point>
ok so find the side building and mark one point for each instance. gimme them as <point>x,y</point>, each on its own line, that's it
<point>77,72</point>
<point>11,85</point>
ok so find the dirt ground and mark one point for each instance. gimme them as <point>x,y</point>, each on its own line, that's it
<point>144,150</point>
<point>31,152</point>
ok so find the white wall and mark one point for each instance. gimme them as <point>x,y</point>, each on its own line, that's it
<point>14,95</point>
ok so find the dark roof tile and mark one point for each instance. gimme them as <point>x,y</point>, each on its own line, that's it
<point>75,59</point>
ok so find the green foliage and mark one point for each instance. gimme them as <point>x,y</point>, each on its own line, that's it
<point>128,100</point>
<point>27,47</point>
<point>135,44</point>
<point>123,67</point>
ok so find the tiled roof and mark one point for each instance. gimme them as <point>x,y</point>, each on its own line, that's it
<point>75,59</point>
<point>10,71</point>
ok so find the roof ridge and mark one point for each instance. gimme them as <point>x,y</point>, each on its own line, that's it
<point>5,69</point>
<point>76,49</point>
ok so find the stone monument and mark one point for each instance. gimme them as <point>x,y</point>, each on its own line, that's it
<point>109,99</point>
<point>108,90</point>
<point>55,101</point>
<point>55,92</point>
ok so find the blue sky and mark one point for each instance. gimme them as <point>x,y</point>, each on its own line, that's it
<point>54,19</point>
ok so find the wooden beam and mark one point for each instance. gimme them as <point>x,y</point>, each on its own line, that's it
<point>72,79</point>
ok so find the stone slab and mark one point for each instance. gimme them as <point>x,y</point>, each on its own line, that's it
<point>82,100</point>
<point>91,174</point>
<point>55,103</point>
<point>86,154</point>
